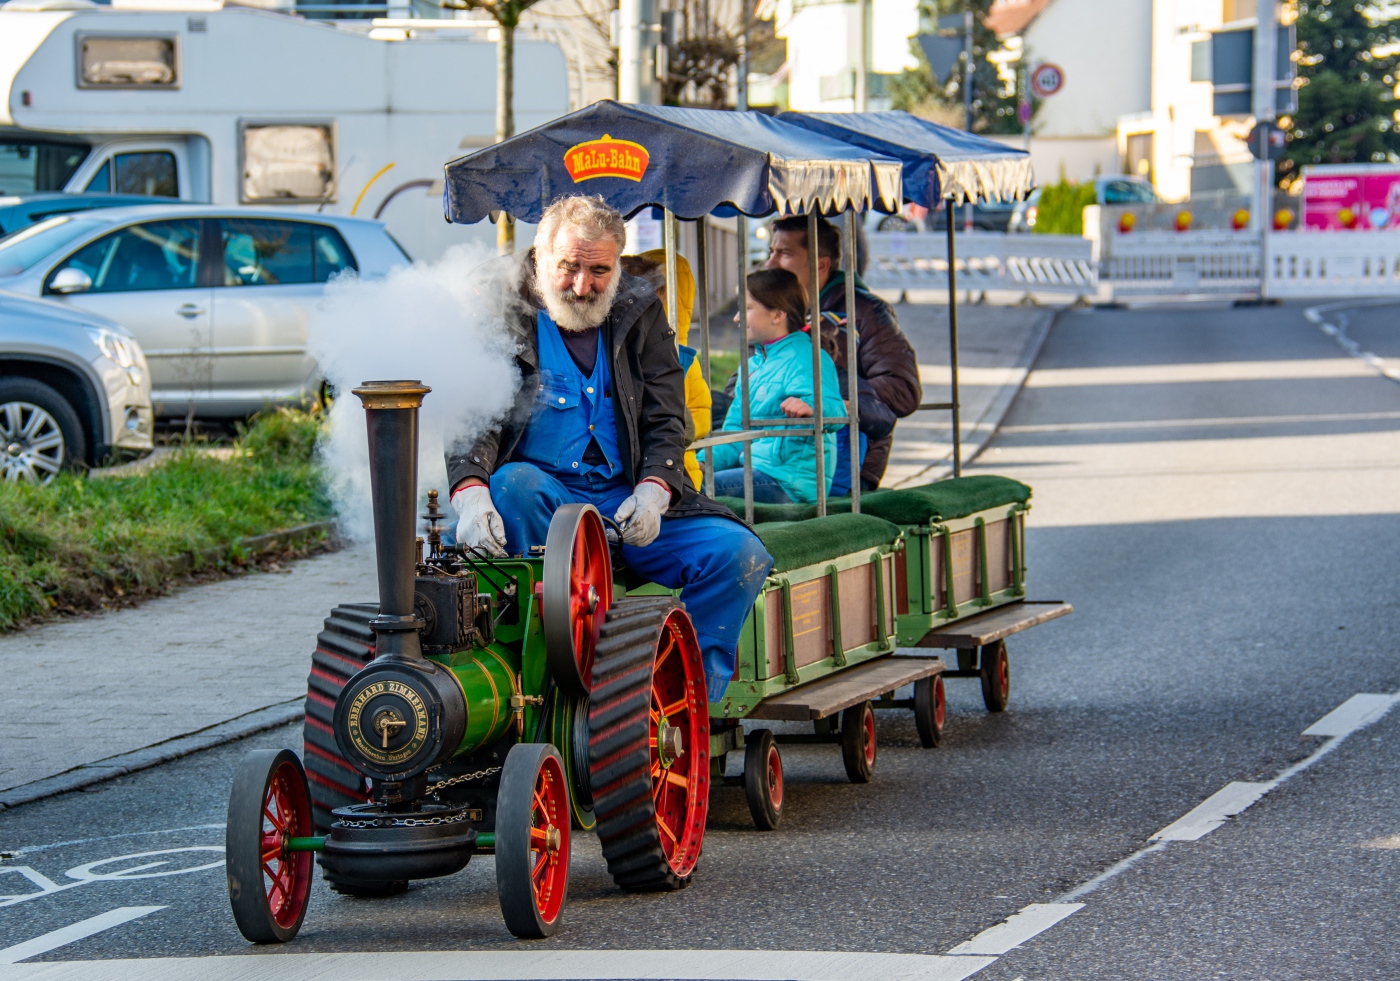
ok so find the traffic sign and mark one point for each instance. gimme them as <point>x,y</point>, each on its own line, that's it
<point>1047,79</point>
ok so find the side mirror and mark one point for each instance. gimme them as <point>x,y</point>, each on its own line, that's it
<point>70,280</point>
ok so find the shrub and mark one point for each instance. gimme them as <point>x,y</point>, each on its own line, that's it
<point>1061,208</point>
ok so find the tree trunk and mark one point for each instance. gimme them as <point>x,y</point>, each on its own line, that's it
<point>505,121</point>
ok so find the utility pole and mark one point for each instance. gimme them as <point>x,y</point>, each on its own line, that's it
<point>629,51</point>
<point>1264,96</point>
<point>741,84</point>
<point>967,96</point>
<point>862,93</point>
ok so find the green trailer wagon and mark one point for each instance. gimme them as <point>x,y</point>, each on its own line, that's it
<point>502,705</point>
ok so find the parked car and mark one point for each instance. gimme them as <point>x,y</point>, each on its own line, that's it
<point>1114,189</point>
<point>22,210</point>
<point>74,390</point>
<point>219,298</point>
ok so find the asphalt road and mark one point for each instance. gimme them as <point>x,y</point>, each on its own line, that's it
<point>1217,493</point>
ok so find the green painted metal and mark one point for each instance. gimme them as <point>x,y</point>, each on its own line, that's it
<point>838,646</point>
<point>485,841</point>
<point>882,632</point>
<point>1018,557</point>
<point>789,638</point>
<point>316,843</point>
<point>984,580</point>
<point>949,580</point>
<point>488,679</point>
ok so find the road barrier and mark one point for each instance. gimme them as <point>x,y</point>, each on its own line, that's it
<point>986,261</point>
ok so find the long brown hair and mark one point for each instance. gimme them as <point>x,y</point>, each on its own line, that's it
<point>778,289</point>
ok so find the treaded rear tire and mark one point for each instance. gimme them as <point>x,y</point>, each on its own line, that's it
<point>343,647</point>
<point>620,756</point>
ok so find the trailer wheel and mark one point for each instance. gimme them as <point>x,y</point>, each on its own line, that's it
<point>268,885</point>
<point>996,676</point>
<point>649,744</point>
<point>577,592</point>
<point>763,779</point>
<point>532,840</point>
<point>858,742</point>
<point>930,710</point>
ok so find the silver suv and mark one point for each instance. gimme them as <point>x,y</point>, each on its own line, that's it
<point>74,390</point>
<point>219,298</point>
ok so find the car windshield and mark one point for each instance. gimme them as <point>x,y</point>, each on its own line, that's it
<point>38,165</point>
<point>22,249</point>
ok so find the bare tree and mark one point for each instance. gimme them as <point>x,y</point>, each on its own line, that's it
<point>506,14</point>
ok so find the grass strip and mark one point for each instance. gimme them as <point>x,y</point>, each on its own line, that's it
<point>76,544</point>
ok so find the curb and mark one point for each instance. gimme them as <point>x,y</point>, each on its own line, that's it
<point>190,561</point>
<point>88,774</point>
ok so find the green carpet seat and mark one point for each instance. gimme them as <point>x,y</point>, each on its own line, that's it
<point>794,544</point>
<point>945,500</point>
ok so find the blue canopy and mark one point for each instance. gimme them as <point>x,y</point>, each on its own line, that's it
<point>939,161</point>
<point>693,161</point>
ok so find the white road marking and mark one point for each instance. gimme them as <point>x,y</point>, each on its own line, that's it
<point>90,872</point>
<point>1029,923</point>
<point>1338,332</point>
<point>1355,713</point>
<point>31,849</point>
<point>543,965</point>
<point>1212,812</point>
<point>74,932</point>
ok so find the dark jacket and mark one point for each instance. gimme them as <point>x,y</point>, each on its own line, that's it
<point>885,358</point>
<point>648,392</point>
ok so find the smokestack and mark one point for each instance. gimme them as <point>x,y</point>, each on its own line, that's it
<point>391,411</point>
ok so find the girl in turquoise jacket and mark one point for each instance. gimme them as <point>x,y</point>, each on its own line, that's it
<point>780,384</point>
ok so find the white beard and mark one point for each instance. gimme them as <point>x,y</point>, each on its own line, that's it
<point>569,311</point>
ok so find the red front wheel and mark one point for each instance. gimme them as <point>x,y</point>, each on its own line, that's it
<point>532,840</point>
<point>268,884</point>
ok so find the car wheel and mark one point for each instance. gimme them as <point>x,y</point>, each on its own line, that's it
<point>40,433</point>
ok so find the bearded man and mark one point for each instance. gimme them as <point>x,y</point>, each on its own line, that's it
<point>600,419</point>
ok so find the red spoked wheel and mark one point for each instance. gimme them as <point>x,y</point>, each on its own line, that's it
<point>649,744</point>
<point>532,840</point>
<point>930,710</point>
<point>577,593</point>
<point>858,742</point>
<point>268,883</point>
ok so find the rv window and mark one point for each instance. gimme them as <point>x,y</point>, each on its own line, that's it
<point>151,174</point>
<point>128,62</point>
<point>288,163</point>
<point>32,165</point>
<point>158,255</point>
<point>264,252</point>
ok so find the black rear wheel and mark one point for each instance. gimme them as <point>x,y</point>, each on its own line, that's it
<point>996,676</point>
<point>763,779</point>
<point>930,710</point>
<point>858,742</point>
<point>649,744</point>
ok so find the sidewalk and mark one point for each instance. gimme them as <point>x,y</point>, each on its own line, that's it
<point>996,346</point>
<point>96,688</point>
<point>92,698</point>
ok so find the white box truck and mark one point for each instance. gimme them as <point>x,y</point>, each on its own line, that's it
<point>245,106</point>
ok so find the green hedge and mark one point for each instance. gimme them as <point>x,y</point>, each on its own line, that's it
<point>78,543</point>
<point>1061,208</point>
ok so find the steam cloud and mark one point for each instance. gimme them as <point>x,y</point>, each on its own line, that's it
<point>426,321</point>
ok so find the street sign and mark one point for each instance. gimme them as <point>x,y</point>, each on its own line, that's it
<point>1047,79</point>
<point>943,53</point>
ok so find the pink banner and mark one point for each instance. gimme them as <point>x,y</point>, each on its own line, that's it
<point>1341,201</point>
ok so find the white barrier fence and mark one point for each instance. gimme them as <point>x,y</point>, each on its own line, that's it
<point>986,261</point>
<point>1141,265</point>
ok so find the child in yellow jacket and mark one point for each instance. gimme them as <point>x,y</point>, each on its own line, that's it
<point>651,266</point>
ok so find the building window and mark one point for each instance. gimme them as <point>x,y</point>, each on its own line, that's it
<point>127,61</point>
<point>288,162</point>
<point>1200,61</point>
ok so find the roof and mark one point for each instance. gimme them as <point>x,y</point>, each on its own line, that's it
<point>180,209</point>
<point>691,161</point>
<point>1010,17</point>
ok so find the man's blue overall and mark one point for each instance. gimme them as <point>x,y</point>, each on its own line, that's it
<point>719,565</point>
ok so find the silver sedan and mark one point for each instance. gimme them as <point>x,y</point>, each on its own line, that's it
<point>219,298</point>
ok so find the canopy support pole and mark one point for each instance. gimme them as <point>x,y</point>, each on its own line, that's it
<point>852,370</point>
<point>953,339</point>
<point>669,231</point>
<point>741,224</point>
<point>815,319</point>
<point>702,276</point>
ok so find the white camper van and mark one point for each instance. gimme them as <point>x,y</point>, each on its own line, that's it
<point>244,106</point>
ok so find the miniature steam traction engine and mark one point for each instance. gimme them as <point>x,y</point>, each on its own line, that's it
<point>482,706</point>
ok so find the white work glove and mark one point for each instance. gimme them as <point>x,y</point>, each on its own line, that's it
<point>640,515</point>
<point>478,521</point>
